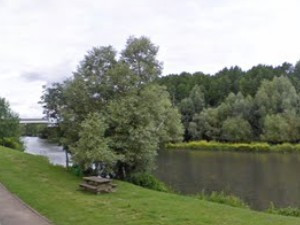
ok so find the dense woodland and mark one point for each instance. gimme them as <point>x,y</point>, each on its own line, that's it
<point>261,104</point>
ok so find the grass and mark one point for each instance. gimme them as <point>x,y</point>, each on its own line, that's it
<point>288,211</point>
<point>53,191</point>
<point>222,198</point>
<point>244,147</point>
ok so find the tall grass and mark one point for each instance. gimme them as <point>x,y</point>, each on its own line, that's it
<point>222,198</point>
<point>288,211</point>
<point>244,147</point>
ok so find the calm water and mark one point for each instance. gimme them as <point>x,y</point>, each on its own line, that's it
<point>38,146</point>
<point>257,178</point>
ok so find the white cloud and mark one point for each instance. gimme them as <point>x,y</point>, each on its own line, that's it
<point>43,41</point>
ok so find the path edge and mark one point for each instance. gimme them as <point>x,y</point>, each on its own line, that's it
<point>26,205</point>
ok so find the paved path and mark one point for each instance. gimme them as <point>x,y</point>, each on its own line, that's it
<point>14,212</point>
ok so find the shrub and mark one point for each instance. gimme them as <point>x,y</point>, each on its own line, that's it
<point>76,170</point>
<point>288,211</point>
<point>11,142</point>
<point>222,198</point>
<point>148,181</point>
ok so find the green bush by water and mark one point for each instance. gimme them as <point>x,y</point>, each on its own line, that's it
<point>244,147</point>
<point>148,181</point>
<point>11,142</point>
<point>288,211</point>
<point>222,198</point>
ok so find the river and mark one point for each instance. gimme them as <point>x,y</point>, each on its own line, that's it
<point>257,178</point>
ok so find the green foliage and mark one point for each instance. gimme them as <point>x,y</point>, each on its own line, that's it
<point>148,181</point>
<point>246,147</point>
<point>92,147</point>
<point>236,129</point>
<point>206,125</point>
<point>140,54</point>
<point>9,121</point>
<point>10,129</point>
<point>13,143</point>
<point>76,170</point>
<point>139,123</point>
<point>189,106</point>
<point>277,96</point>
<point>251,95</point>
<point>288,211</point>
<point>137,115</point>
<point>275,129</point>
<point>33,130</point>
<point>222,198</point>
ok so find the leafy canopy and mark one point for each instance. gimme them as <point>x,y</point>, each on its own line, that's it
<point>137,116</point>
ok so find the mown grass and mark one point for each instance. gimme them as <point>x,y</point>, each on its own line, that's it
<point>243,147</point>
<point>53,191</point>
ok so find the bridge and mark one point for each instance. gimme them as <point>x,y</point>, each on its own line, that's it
<point>36,121</point>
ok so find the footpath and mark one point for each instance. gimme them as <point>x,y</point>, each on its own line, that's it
<point>14,211</point>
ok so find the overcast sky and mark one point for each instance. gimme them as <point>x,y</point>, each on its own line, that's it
<point>43,41</point>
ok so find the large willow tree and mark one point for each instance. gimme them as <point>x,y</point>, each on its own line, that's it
<point>137,116</point>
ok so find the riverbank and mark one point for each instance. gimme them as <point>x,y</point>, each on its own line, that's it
<point>242,147</point>
<point>53,191</point>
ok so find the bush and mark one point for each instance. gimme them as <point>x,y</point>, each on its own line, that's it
<point>148,181</point>
<point>76,170</point>
<point>11,142</point>
<point>288,211</point>
<point>222,198</point>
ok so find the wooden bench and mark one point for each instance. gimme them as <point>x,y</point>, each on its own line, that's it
<point>98,185</point>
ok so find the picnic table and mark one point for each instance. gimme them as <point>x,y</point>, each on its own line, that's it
<point>98,185</point>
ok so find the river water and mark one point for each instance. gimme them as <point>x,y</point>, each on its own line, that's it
<point>38,146</point>
<point>257,178</point>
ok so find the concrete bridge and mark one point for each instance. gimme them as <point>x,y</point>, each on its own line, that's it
<point>36,120</point>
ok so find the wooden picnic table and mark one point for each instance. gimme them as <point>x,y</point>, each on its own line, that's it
<point>97,180</point>
<point>98,185</point>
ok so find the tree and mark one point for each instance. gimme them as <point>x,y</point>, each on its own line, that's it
<point>140,54</point>
<point>278,128</point>
<point>93,147</point>
<point>9,121</point>
<point>139,124</point>
<point>10,130</point>
<point>206,125</point>
<point>138,113</point>
<point>277,96</point>
<point>190,106</point>
<point>275,129</point>
<point>236,129</point>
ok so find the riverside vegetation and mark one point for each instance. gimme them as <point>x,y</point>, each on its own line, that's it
<point>116,111</point>
<point>246,147</point>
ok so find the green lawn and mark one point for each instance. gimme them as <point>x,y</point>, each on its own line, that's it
<point>53,191</point>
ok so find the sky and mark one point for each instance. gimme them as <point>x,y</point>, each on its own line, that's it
<point>43,41</point>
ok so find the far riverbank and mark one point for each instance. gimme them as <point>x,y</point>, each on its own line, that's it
<point>241,147</point>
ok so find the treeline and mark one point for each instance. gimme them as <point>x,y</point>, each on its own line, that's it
<point>261,104</point>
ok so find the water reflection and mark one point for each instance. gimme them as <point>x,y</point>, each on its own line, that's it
<point>258,178</point>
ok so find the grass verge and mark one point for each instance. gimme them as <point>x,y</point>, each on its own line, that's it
<point>244,147</point>
<point>53,191</point>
